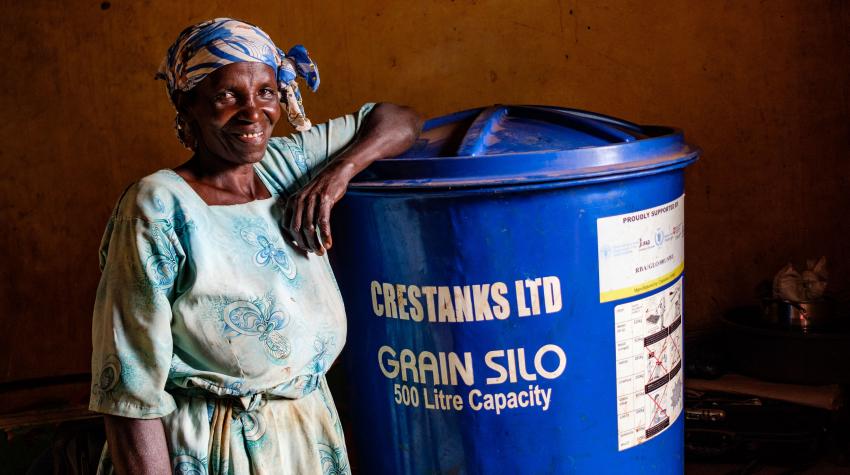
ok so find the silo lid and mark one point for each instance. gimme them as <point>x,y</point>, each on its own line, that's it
<point>519,144</point>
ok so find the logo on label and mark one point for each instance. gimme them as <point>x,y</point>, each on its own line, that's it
<point>659,237</point>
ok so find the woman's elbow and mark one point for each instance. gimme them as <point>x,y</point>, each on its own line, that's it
<point>414,122</point>
<point>416,119</point>
<point>406,121</point>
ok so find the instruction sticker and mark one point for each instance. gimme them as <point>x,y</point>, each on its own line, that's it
<point>648,336</point>
<point>641,251</point>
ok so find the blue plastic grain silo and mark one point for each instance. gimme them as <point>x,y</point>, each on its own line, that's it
<point>514,289</point>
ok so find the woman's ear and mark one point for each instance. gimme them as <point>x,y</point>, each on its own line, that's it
<point>184,122</point>
<point>183,102</point>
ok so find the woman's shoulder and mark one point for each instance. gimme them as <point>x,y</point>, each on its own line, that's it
<point>154,197</point>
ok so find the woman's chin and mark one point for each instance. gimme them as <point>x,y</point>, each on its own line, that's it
<point>252,157</point>
<point>248,152</point>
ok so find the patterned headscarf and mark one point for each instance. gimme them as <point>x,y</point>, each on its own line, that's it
<point>201,49</point>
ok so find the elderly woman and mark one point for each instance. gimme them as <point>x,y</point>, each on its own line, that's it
<point>212,329</point>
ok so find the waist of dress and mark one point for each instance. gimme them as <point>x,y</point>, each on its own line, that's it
<point>245,403</point>
<point>249,401</point>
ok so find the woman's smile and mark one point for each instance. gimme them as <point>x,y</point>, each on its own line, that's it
<point>249,137</point>
<point>254,137</point>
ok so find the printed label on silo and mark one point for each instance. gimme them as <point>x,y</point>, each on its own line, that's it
<point>648,336</point>
<point>494,379</point>
<point>640,251</point>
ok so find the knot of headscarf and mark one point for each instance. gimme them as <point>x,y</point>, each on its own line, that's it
<point>201,49</point>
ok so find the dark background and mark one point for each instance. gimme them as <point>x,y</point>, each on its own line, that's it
<point>761,86</point>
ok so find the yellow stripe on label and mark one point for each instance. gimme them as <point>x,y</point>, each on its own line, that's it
<point>653,284</point>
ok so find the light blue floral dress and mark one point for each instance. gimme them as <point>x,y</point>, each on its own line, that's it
<point>207,318</point>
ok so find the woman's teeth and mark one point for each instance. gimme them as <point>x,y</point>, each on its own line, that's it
<point>251,136</point>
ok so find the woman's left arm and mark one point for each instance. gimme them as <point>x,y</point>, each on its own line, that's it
<point>388,130</point>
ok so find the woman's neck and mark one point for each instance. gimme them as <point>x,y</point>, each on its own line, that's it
<point>219,181</point>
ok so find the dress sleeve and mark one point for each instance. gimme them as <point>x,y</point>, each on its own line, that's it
<point>292,161</point>
<point>131,328</point>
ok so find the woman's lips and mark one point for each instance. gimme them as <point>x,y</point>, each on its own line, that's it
<point>251,137</point>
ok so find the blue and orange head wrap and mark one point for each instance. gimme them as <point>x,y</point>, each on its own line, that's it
<point>201,49</point>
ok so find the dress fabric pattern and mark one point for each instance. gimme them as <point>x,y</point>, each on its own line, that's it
<point>207,318</point>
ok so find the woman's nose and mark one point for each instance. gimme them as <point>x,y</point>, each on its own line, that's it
<point>250,110</point>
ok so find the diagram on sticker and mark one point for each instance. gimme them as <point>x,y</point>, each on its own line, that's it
<point>648,337</point>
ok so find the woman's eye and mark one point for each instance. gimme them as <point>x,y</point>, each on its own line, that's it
<point>224,96</point>
<point>268,92</point>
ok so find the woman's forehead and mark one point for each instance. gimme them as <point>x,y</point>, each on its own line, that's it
<point>244,73</point>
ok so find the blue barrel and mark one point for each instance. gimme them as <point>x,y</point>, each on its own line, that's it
<point>514,290</point>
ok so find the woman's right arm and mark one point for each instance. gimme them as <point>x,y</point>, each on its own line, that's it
<point>132,348</point>
<point>137,446</point>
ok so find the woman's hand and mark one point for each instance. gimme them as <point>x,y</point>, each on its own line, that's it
<point>387,131</point>
<point>310,207</point>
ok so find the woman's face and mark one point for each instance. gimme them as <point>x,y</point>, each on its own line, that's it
<point>233,110</point>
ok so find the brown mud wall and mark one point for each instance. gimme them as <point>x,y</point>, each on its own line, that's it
<point>762,87</point>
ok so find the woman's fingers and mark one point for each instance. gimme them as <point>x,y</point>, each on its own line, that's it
<point>297,206</point>
<point>286,220</point>
<point>308,223</point>
<point>325,222</point>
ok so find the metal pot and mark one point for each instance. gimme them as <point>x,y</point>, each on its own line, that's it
<point>813,315</point>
